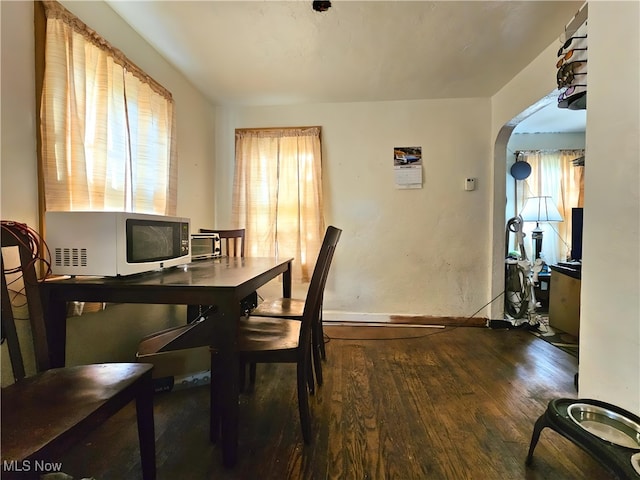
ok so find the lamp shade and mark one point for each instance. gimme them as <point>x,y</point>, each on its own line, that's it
<point>540,209</point>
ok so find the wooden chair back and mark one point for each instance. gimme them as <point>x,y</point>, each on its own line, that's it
<point>232,241</point>
<point>24,283</point>
<point>45,413</point>
<point>315,293</point>
<point>273,340</point>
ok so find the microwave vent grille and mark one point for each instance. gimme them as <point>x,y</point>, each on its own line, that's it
<point>70,257</point>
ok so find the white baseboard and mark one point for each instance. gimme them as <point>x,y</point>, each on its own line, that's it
<point>334,316</point>
<point>359,318</point>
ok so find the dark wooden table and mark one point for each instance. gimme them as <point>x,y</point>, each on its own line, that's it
<point>222,282</point>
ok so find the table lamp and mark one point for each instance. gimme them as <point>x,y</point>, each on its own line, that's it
<point>539,209</point>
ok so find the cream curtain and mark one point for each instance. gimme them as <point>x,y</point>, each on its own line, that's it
<point>277,194</point>
<point>107,129</point>
<point>552,174</point>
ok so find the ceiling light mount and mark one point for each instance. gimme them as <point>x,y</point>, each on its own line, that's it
<point>321,6</point>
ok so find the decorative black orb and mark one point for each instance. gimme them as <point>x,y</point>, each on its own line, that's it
<point>520,170</point>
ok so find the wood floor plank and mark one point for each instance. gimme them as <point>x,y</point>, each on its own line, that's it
<point>454,403</point>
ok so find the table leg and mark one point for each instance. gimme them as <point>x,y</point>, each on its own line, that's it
<point>55,317</point>
<point>227,365</point>
<point>286,282</point>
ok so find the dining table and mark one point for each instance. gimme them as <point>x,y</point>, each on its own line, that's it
<point>222,281</point>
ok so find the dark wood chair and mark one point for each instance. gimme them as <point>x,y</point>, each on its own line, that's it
<point>231,240</point>
<point>293,308</point>
<point>232,245</point>
<point>281,340</point>
<point>46,413</point>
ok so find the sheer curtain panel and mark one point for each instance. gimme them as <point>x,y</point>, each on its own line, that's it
<point>277,194</point>
<point>107,128</point>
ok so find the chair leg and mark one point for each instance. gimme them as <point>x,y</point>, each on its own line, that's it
<point>317,361</point>
<point>540,424</point>
<point>311,383</point>
<point>320,338</point>
<point>303,402</point>
<point>146,428</point>
<point>242,375</point>
<point>252,375</point>
<point>310,380</point>
<point>214,409</point>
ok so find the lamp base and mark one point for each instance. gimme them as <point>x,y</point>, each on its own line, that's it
<point>536,236</point>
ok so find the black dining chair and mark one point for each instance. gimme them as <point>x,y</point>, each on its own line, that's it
<point>232,241</point>
<point>232,245</point>
<point>46,413</point>
<point>150,346</point>
<point>293,308</point>
<point>281,340</point>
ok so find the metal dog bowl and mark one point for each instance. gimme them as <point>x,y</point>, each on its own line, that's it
<point>606,424</point>
<point>635,462</point>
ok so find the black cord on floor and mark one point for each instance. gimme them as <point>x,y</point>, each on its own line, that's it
<point>439,330</point>
<point>446,328</point>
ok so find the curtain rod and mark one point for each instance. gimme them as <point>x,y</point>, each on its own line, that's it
<point>551,150</point>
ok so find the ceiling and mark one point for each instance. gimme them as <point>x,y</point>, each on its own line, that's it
<point>283,52</point>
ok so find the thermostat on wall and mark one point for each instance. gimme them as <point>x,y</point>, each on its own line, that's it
<point>469,184</point>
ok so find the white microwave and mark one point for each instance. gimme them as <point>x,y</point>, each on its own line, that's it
<point>111,244</point>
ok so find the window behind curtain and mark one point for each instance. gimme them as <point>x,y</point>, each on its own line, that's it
<point>277,194</point>
<point>553,174</point>
<point>107,128</point>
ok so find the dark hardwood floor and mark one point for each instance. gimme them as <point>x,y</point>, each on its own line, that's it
<point>454,403</point>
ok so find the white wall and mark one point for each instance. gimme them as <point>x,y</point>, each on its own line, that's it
<point>112,334</point>
<point>419,252</point>
<point>19,195</point>
<point>527,92</point>
<point>610,307</point>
